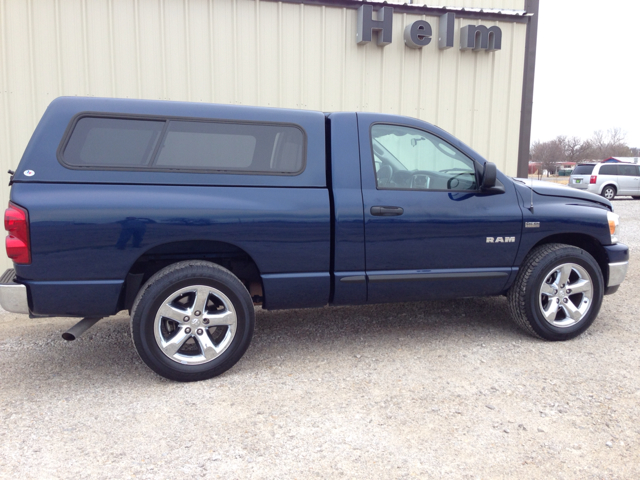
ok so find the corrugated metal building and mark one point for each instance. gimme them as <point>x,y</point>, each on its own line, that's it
<point>299,54</point>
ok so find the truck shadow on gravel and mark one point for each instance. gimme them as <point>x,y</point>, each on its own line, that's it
<point>106,351</point>
<point>331,330</point>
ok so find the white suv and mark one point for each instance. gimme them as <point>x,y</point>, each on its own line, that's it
<point>607,179</point>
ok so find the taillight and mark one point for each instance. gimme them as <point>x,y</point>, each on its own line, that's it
<point>16,222</point>
<point>593,179</point>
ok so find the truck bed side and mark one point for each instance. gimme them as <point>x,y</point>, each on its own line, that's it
<point>92,229</point>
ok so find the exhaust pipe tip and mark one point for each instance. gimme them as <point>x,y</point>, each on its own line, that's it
<point>79,328</point>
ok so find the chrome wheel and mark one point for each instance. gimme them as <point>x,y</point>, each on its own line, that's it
<point>195,325</point>
<point>566,295</point>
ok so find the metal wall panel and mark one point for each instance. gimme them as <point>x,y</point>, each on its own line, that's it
<point>254,53</point>
<point>501,4</point>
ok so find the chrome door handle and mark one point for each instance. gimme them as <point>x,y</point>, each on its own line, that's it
<point>386,211</point>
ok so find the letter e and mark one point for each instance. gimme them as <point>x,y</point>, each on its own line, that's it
<point>418,34</point>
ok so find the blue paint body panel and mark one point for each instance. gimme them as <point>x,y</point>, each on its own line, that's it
<point>97,232</point>
<point>311,236</point>
<point>617,253</point>
<point>74,298</point>
<point>349,253</point>
<point>560,216</point>
<point>296,290</point>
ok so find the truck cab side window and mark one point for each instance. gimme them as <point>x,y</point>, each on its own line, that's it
<point>409,158</point>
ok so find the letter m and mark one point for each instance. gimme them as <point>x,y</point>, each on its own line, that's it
<point>367,25</point>
<point>479,37</point>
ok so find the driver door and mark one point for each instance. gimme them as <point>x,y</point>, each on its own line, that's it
<point>429,230</point>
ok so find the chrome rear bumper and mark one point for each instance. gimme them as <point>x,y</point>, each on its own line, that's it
<point>13,296</point>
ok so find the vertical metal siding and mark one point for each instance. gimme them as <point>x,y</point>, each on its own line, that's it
<point>255,53</point>
<point>497,4</point>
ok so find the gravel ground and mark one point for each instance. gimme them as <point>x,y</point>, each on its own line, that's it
<point>427,390</point>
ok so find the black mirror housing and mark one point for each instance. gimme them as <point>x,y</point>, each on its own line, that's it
<point>489,176</point>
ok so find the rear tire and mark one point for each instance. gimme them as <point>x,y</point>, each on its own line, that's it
<point>192,321</point>
<point>558,292</point>
<point>609,192</point>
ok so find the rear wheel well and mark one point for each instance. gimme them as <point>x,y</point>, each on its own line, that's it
<point>233,258</point>
<point>586,243</point>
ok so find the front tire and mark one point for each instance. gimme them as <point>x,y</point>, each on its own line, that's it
<point>192,321</point>
<point>558,292</point>
<point>609,192</point>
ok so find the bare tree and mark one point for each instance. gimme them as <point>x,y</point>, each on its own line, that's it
<point>617,136</point>
<point>575,149</point>
<point>548,154</point>
<point>610,144</point>
<point>601,145</point>
<point>598,143</point>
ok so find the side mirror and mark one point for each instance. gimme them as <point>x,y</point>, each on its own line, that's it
<point>489,176</point>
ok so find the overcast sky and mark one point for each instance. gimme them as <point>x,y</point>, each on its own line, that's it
<point>587,69</point>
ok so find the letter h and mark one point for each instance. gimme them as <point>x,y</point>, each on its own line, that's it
<point>367,25</point>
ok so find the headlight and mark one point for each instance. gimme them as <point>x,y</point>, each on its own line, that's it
<point>614,226</point>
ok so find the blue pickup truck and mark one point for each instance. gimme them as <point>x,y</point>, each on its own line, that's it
<point>189,214</point>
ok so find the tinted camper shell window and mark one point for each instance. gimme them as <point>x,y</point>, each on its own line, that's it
<point>100,142</point>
